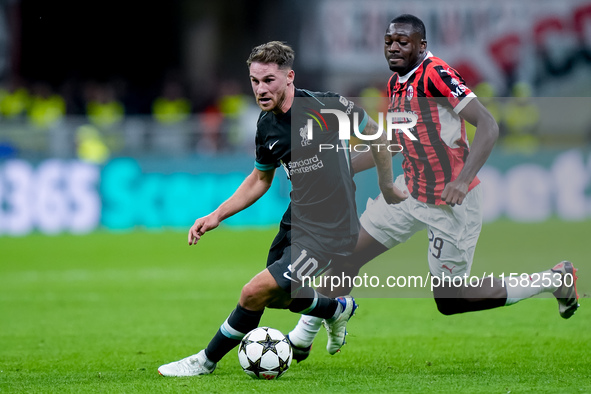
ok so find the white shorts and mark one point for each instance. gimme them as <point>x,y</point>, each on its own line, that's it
<point>453,231</point>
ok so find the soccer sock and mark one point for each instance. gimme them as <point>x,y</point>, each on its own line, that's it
<point>305,331</point>
<point>308,301</point>
<point>522,287</point>
<point>240,322</point>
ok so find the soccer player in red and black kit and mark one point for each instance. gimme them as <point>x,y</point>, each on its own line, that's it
<point>321,221</point>
<point>444,195</point>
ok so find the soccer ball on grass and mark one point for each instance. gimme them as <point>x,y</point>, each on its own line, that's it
<point>265,353</point>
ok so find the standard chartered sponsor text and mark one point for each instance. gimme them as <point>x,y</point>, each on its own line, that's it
<point>305,165</point>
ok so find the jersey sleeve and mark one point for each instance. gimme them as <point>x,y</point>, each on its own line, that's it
<point>444,81</point>
<point>265,159</point>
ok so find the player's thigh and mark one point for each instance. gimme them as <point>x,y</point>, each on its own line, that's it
<point>448,257</point>
<point>281,241</point>
<point>453,234</point>
<point>297,266</point>
<point>391,224</point>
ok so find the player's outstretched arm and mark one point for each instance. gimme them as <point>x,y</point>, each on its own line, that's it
<point>252,188</point>
<point>364,160</point>
<point>487,132</point>
<point>382,159</point>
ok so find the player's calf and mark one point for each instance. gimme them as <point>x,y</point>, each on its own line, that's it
<point>488,293</point>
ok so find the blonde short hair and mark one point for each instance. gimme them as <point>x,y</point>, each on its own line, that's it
<point>276,52</point>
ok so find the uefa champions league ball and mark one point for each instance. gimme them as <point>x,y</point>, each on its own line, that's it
<point>265,353</point>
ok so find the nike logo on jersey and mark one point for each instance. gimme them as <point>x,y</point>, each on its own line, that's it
<point>286,276</point>
<point>273,144</point>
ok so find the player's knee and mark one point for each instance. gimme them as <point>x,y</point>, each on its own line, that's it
<point>257,295</point>
<point>253,296</point>
<point>248,295</point>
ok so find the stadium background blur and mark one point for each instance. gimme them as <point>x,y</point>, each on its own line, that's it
<point>122,122</point>
<point>115,115</point>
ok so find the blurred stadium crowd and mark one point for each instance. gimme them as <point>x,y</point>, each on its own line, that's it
<point>101,119</point>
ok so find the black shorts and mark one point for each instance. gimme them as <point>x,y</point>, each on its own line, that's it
<point>294,264</point>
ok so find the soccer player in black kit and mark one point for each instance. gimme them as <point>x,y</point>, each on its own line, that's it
<point>321,222</point>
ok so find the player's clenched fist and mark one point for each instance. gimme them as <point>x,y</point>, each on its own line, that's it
<point>455,192</point>
<point>394,195</point>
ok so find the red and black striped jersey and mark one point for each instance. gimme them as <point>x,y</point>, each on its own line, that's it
<point>436,93</point>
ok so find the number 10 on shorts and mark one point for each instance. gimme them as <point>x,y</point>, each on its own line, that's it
<point>303,267</point>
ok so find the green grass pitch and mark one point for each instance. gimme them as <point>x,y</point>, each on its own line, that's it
<point>101,312</point>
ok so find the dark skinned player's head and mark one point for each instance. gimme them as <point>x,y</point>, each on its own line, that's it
<point>405,44</point>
